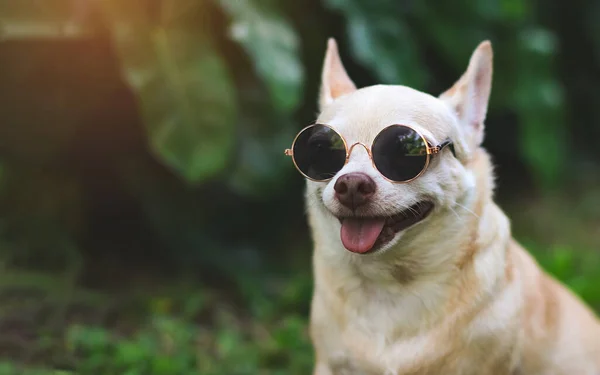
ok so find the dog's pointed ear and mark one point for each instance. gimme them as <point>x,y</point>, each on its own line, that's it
<point>470,94</point>
<point>334,79</point>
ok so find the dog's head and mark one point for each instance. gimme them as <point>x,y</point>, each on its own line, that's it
<point>364,212</point>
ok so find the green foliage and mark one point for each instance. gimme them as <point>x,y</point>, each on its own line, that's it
<point>200,81</point>
<point>576,268</point>
<point>273,45</point>
<point>184,90</point>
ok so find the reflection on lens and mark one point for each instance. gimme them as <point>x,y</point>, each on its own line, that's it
<point>399,153</point>
<point>319,152</point>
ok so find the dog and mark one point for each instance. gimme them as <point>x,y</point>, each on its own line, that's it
<point>415,268</point>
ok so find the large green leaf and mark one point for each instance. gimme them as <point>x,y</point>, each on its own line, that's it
<point>185,93</point>
<point>273,45</point>
<point>381,40</point>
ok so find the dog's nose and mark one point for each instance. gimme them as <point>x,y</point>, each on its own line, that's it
<point>354,189</point>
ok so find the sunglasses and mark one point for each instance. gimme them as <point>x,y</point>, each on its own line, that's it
<point>399,152</point>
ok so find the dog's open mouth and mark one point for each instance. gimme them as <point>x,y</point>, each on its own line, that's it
<point>365,234</point>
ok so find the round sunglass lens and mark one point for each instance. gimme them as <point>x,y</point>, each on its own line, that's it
<point>319,152</point>
<point>399,153</point>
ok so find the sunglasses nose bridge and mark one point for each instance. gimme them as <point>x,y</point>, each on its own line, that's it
<point>367,149</point>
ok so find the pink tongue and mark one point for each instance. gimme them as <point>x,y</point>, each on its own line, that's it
<point>359,235</point>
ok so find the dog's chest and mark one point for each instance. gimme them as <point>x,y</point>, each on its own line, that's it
<point>359,353</point>
<point>367,357</point>
<point>403,359</point>
<point>354,351</point>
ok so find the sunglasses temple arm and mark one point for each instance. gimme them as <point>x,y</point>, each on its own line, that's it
<point>441,146</point>
<point>288,152</point>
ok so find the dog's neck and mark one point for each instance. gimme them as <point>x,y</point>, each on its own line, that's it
<point>424,272</point>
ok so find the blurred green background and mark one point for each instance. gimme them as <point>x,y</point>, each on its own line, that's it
<point>149,222</point>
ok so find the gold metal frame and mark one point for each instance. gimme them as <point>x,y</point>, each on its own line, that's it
<point>431,150</point>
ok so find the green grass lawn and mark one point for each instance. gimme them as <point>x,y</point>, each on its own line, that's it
<point>181,329</point>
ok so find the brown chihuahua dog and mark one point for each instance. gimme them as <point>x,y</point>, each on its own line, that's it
<point>415,268</point>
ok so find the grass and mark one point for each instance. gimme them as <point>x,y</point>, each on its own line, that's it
<point>182,329</point>
<point>171,345</point>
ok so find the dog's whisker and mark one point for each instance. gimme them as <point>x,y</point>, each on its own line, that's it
<point>414,211</point>
<point>455,213</point>
<point>468,210</point>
